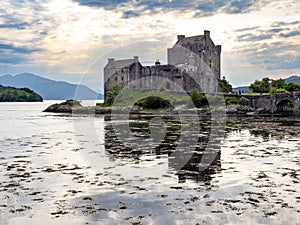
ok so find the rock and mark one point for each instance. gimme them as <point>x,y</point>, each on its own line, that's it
<point>231,109</point>
<point>261,111</point>
<point>102,110</point>
<point>59,108</point>
<point>74,106</point>
<point>68,106</point>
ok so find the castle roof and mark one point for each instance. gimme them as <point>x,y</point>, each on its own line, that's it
<point>192,39</point>
<point>119,64</point>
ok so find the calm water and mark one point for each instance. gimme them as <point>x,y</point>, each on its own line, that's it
<point>58,169</point>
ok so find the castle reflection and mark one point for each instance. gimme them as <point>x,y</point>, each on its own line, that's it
<point>129,140</point>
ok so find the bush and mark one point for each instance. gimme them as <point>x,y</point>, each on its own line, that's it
<point>198,98</point>
<point>232,100</point>
<point>154,102</point>
<point>72,102</point>
<point>111,95</point>
<point>277,90</point>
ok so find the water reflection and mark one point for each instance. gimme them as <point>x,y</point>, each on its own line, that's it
<point>156,137</point>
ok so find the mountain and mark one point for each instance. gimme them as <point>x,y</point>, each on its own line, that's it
<point>296,80</point>
<point>11,94</point>
<point>291,79</point>
<point>50,89</point>
<point>243,89</point>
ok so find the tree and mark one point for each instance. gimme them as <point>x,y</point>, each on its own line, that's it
<point>278,84</point>
<point>111,95</point>
<point>198,98</point>
<point>225,86</point>
<point>292,87</point>
<point>262,86</point>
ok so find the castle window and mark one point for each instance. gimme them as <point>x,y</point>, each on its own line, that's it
<point>116,79</point>
<point>122,78</point>
<point>210,63</point>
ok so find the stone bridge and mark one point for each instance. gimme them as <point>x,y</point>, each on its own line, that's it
<point>276,103</point>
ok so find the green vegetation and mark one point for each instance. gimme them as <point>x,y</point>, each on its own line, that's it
<point>72,103</point>
<point>289,105</point>
<point>267,85</point>
<point>111,95</point>
<point>277,90</point>
<point>198,98</point>
<point>232,100</point>
<point>11,94</point>
<point>262,86</point>
<point>144,98</point>
<point>292,87</point>
<point>156,99</point>
<point>225,86</point>
<point>154,102</point>
<point>278,84</point>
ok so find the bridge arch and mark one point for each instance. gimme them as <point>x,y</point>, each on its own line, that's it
<point>285,105</point>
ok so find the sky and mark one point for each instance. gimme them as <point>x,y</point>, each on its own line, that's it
<point>70,40</point>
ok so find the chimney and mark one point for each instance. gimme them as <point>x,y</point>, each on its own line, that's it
<point>157,63</point>
<point>111,60</point>
<point>136,59</point>
<point>180,37</point>
<point>207,33</point>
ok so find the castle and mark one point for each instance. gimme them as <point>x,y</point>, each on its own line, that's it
<point>193,62</point>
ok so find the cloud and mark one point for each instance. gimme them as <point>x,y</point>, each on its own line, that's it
<point>128,14</point>
<point>274,47</point>
<point>19,26</point>
<point>107,4</point>
<point>279,55</point>
<point>276,29</point>
<point>11,60</point>
<point>65,36</point>
<point>12,55</point>
<point>290,34</point>
<point>272,56</point>
<point>12,49</point>
<point>239,6</point>
<point>199,7</point>
<point>254,37</point>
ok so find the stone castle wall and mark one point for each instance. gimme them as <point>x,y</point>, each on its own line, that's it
<point>193,62</point>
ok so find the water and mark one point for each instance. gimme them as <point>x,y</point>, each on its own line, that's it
<point>75,170</point>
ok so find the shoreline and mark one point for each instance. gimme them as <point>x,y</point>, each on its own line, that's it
<point>74,107</point>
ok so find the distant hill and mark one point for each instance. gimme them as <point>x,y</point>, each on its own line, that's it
<point>11,94</point>
<point>50,89</point>
<point>296,80</point>
<point>243,89</point>
<point>292,79</point>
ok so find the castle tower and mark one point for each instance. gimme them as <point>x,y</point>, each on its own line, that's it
<point>200,55</point>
